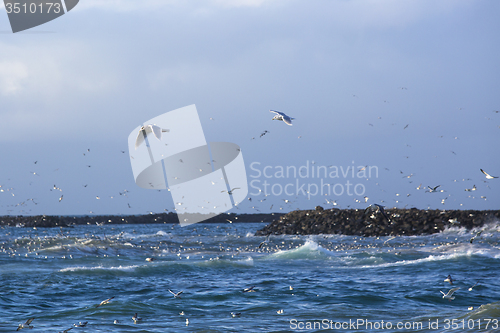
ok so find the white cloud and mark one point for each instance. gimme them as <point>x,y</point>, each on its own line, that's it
<point>12,76</point>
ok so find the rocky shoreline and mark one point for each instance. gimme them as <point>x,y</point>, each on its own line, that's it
<point>50,221</point>
<point>396,222</point>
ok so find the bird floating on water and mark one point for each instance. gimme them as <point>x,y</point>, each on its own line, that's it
<point>80,324</point>
<point>283,117</point>
<point>145,130</point>
<point>135,318</point>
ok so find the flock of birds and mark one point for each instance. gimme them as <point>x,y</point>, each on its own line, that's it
<point>135,318</point>
<point>449,295</point>
<point>155,131</point>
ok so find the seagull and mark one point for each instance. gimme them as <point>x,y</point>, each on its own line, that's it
<point>377,208</point>
<point>448,295</point>
<point>26,324</point>
<point>477,235</point>
<point>280,311</point>
<point>234,315</point>
<point>449,279</point>
<point>432,189</point>
<point>282,116</point>
<point>135,318</point>
<point>176,294</point>
<point>249,289</point>
<point>471,189</point>
<point>488,176</point>
<point>264,133</point>
<point>230,192</point>
<point>145,130</point>
<point>80,324</point>
<point>470,289</point>
<point>264,242</point>
<point>106,301</point>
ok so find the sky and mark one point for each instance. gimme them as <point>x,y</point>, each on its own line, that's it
<point>407,89</point>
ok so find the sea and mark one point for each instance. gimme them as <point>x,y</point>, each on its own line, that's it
<point>318,283</point>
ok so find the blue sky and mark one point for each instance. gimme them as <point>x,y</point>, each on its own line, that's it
<point>354,74</point>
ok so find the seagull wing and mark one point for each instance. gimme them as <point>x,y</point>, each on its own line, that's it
<point>156,130</point>
<point>487,174</point>
<point>287,119</point>
<point>277,112</point>
<point>451,291</point>
<point>29,321</point>
<point>140,137</point>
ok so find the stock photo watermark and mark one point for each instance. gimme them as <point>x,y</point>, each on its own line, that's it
<point>382,325</point>
<point>170,152</point>
<point>26,14</point>
<point>310,179</point>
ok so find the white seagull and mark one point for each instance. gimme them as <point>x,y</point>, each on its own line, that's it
<point>145,130</point>
<point>176,294</point>
<point>282,116</point>
<point>470,289</point>
<point>448,295</point>
<point>488,176</point>
<point>106,301</point>
<point>26,324</point>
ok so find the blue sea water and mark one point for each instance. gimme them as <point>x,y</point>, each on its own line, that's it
<point>322,283</point>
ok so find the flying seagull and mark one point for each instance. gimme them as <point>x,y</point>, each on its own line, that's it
<point>176,294</point>
<point>488,176</point>
<point>432,189</point>
<point>448,295</point>
<point>26,324</point>
<point>477,235</point>
<point>145,130</point>
<point>377,208</point>
<point>231,191</point>
<point>106,301</point>
<point>135,318</point>
<point>249,289</point>
<point>449,279</point>
<point>282,116</point>
<point>470,289</point>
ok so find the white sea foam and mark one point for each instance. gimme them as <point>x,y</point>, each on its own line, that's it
<point>126,268</point>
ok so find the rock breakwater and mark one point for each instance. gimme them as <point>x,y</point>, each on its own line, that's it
<point>397,222</point>
<point>68,221</point>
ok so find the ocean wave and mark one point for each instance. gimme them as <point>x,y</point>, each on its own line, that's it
<point>309,250</point>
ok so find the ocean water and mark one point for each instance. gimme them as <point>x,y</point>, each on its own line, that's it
<point>322,283</point>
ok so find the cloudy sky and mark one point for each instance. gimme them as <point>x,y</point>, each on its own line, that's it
<point>408,88</point>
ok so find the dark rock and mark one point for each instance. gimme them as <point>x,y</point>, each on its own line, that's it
<point>354,222</point>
